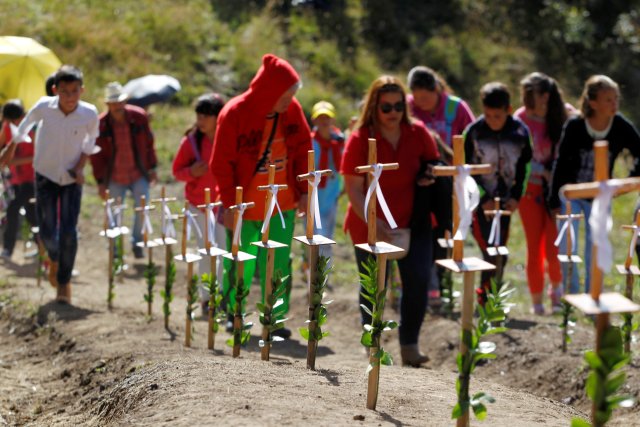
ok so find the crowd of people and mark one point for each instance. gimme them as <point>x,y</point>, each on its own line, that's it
<point>543,145</point>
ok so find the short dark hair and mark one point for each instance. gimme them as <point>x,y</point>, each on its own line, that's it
<point>68,74</point>
<point>421,77</point>
<point>12,110</point>
<point>48,85</point>
<point>209,104</point>
<point>495,95</point>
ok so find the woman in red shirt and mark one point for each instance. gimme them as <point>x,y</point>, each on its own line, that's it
<point>191,166</point>
<point>399,139</point>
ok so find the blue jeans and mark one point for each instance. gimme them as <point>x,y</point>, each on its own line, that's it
<point>57,209</point>
<point>583,207</point>
<point>415,272</point>
<point>138,189</point>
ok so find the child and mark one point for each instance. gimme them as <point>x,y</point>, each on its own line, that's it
<point>599,120</point>
<point>191,166</point>
<point>65,138</point>
<point>328,143</point>
<point>504,142</point>
<point>22,176</point>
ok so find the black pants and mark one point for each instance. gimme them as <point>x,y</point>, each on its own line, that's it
<point>415,272</point>
<point>22,194</point>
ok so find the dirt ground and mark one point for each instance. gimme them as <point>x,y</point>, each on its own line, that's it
<point>86,365</point>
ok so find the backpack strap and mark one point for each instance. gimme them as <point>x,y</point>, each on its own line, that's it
<point>450,115</point>
<point>194,145</point>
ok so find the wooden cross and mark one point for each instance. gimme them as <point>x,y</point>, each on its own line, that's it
<point>213,253</point>
<point>111,232</point>
<point>189,259</point>
<point>496,250</point>
<point>270,246</point>
<point>382,250</point>
<point>569,257</point>
<point>598,303</point>
<point>238,257</point>
<point>143,210</point>
<point>459,264</point>
<point>163,200</point>
<point>630,271</point>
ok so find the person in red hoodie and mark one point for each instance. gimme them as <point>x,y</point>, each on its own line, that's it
<point>263,126</point>
<point>22,176</point>
<point>191,166</point>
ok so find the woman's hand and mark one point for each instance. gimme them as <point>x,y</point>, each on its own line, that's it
<point>427,178</point>
<point>198,169</point>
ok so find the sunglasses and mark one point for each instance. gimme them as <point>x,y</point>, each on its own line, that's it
<point>386,108</point>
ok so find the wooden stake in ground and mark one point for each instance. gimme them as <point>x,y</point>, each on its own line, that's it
<point>494,238</point>
<point>143,210</point>
<point>313,243</point>
<point>603,189</point>
<point>630,271</point>
<point>189,258</point>
<point>459,264</point>
<point>167,239</point>
<point>270,246</point>
<point>239,258</point>
<point>567,258</point>
<point>381,250</point>
<point>111,232</point>
<point>213,253</point>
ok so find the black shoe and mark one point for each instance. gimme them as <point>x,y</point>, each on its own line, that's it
<point>283,333</point>
<point>138,253</point>
<point>6,254</point>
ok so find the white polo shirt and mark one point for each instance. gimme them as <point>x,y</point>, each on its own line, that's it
<point>60,138</point>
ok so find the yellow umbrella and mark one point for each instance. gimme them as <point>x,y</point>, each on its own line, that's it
<point>24,67</point>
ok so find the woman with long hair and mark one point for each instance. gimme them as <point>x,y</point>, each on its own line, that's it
<point>599,120</point>
<point>399,139</point>
<point>544,112</point>
<point>191,166</point>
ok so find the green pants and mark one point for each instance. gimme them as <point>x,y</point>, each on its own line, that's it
<point>282,262</point>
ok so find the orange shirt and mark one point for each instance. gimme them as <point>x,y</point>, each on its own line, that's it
<point>277,156</point>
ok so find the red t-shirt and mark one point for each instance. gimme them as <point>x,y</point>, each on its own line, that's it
<point>20,174</point>
<point>415,146</point>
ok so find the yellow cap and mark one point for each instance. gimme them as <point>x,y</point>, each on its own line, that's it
<point>323,107</point>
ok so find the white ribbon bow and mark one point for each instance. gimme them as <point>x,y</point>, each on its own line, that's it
<point>567,226</point>
<point>107,207</point>
<point>147,222</point>
<point>377,171</point>
<point>168,229</point>
<point>117,210</point>
<point>274,204</point>
<point>191,221</point>
<point>17,137</point>
<point>238,229</point>
<point>208,210</point>
<point>601,223</point>
<point>468,197</point>
<point>494,235</point>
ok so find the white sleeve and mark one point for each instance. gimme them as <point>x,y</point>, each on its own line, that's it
<point>92,133</point>
<point>33,116</point>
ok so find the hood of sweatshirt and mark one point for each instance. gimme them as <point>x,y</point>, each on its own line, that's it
<point>273,79</point>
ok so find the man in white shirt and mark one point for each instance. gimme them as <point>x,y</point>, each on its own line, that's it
<point>65,137</point>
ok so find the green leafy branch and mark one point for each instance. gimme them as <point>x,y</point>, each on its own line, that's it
<point>241,332</point>
<point>606,378</point>
<point>118,255</point>
<point>568,321</point>
<point>493,313</point>
<point>192,302</point>
<point>318,308</point>
<point>372,332</point>
<point>167,292</point>
<point>215,299</point>
<point>150,273</point>
<point>627,328</point>
<point>270,312</point>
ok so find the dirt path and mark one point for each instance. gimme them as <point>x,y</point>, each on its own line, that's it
<point>82,364</point>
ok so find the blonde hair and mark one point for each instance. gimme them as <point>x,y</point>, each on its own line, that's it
<point>383,84</point>
<point>592,87</point>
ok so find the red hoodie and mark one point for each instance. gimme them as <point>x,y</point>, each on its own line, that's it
<point>239,134</point>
